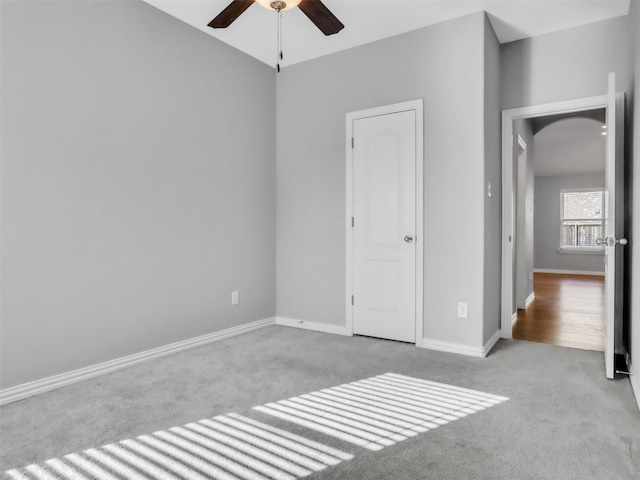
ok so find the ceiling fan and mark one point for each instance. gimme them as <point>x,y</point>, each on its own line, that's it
<point>317,12</point>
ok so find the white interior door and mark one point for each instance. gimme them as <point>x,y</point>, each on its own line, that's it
<point>384,236</point>
<point>611,228</point>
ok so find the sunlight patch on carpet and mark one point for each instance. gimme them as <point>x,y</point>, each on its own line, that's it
<point>226,447</point>
<point>373,413</point>
<point>380,411</point>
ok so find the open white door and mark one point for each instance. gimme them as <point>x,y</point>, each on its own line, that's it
<point>611,228</point>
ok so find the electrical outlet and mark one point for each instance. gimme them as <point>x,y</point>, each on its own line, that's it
<point>463,309</point>
<point>234,297</point>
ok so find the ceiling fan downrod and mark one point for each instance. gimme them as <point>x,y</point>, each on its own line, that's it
<point>278,6</point>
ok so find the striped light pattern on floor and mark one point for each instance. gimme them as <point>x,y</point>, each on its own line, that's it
<point>225,447</point>
<point>373,413</point>
<point>379,411</point>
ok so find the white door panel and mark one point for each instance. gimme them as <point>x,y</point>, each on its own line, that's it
<point>613,226</point>
<point>384,271</point>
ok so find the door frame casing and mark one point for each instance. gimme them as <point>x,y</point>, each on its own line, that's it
<point>508,214</point>
<point>518,271</point>
<point>417,107</point>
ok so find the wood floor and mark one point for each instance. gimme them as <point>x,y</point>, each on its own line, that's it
<point>567,311</point>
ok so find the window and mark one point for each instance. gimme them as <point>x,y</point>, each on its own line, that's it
<point>582,219</point>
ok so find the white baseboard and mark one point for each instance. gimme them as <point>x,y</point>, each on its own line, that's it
<point>635,385</point>
<point>514,318</point>
<point>529,299</point>
<point>460,348</point>
<point>567,272</point>
<point>491,343</point>
<point>451,347</point>
<point>30,389</point>
<point>314,326</point>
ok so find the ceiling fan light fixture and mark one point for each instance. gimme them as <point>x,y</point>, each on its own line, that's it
<point>273,5</point>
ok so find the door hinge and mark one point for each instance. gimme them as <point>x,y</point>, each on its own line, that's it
<point>353,222</point>
<point>352,300</point>
<point>352,143</point>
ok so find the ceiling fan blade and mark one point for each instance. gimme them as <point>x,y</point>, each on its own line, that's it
<point>321,16</point>
<point>229,14</point>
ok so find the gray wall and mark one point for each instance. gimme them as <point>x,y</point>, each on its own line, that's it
<point>564,65</point>
<point>547,224</point>
<point>493,175</point>
<point>444,65</point>
<point>132,202</point>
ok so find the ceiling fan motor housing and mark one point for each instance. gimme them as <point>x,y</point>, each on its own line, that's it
<point>278,5</point>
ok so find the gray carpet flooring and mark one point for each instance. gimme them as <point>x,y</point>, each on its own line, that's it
<point>563,419</point>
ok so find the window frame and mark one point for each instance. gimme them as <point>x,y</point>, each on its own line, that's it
<point>592,249</point>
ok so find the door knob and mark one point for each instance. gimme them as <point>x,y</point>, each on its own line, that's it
<point>408,238</point>
<point>611,241</point>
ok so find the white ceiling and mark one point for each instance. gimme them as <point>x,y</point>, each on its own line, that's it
<point>571,146</point>
<point>254,32</point>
